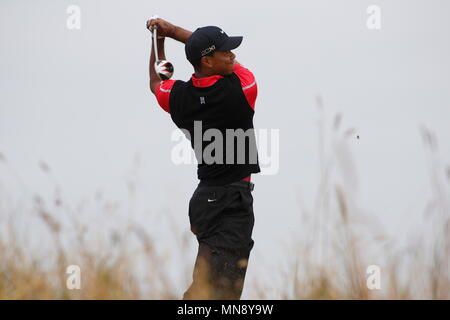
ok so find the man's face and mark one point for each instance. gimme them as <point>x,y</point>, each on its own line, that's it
<point>222,62</point>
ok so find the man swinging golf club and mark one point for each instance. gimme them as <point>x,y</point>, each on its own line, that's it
<point>219,98</point>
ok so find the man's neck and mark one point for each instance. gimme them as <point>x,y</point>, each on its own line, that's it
<point>200,75</point>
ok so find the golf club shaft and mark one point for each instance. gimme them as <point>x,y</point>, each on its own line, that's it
<point>155,40</point>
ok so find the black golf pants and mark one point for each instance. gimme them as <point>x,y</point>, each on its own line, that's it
<point>222,219</point>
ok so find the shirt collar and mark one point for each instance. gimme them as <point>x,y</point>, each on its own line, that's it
<point>205,82</point>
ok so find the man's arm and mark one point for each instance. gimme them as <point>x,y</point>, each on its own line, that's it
<point>248,83</point>
<point>165,29</point>
<point>180,34</point>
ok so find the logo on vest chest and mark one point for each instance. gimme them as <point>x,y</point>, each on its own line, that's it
<point>202,100</point>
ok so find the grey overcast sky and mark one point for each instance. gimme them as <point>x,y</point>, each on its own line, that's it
<point>79,100</point>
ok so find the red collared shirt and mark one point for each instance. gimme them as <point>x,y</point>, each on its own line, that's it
<point>248,83</point>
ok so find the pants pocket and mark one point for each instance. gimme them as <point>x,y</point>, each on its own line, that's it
<point>205,207</point>
<point>247,198</point>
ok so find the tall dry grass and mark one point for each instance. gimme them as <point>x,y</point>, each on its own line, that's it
<point>108,258</point>
<point>330,259</point>
<point>108,271</point>
<point>342,239</point>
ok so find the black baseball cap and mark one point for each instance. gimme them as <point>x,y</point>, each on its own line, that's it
<point>205,40</point>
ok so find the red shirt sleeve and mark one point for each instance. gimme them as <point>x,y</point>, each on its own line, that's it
<point>248,83</point>
<point>162,93</point>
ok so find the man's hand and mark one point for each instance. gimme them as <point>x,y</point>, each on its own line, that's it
<point>165,28</point>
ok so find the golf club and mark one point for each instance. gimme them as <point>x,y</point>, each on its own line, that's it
<point>163,68</point>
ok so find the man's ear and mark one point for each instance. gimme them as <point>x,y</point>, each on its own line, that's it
<point>206,61</point>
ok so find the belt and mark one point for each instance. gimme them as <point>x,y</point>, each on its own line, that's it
<point>244,184</point>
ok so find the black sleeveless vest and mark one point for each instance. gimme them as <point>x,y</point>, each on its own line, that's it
<point>218,107</point>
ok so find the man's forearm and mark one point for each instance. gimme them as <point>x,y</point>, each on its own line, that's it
<point>180,34</point>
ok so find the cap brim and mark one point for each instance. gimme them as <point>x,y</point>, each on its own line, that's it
<point>231,43</point>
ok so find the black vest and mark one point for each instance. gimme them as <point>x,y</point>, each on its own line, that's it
<point>219,107</point>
